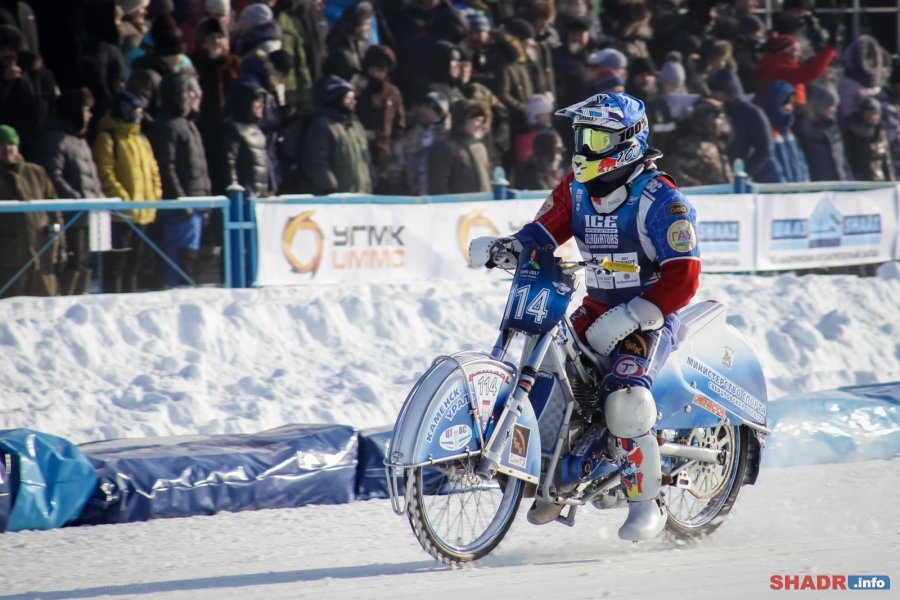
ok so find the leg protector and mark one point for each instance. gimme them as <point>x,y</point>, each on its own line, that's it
<point>630,412</point>
<point>641,481</point>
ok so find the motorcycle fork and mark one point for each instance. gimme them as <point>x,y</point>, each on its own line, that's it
<point>535,349</point>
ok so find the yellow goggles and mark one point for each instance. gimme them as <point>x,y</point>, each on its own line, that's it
<point>594,141</point>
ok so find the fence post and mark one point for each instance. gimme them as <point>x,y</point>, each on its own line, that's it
<point>741,183</point>
<point>237,266</point>
<point>500,184</point>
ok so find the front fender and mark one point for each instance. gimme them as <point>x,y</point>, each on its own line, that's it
<point>451,410</point>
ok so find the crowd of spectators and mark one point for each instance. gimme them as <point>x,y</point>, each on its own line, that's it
<point>159,99</point>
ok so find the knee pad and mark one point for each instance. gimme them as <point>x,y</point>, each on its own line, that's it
<point>630,412</point>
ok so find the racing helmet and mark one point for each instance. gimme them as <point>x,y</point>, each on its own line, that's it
<point>611,133</point>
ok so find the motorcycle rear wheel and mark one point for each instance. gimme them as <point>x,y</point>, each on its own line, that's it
<point>698,510</point>
<point>456,515</point>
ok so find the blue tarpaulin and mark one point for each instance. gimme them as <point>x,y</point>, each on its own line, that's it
<point>182,476</point>
<point>370,477</point>
<point>51,476</point>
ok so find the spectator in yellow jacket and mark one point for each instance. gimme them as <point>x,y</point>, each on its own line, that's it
<point>128,171</point>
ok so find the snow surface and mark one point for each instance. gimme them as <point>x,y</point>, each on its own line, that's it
<point>240,361</point>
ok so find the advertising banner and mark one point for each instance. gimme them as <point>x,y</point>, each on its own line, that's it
<point>725,233</point>
<point>330,243</point>
<point>825,229</point>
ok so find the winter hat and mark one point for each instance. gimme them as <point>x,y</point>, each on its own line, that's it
<point>124,107</point>
<point>8,135</point>
<point>10,37</point>
<point>478,21</point>
<point>438,102</point>
<point>280,61</point>
<point>167,43</point>
<point>725,81</point>
<point>608,58</point>
<point>641,66</point>
<point>781,44</point>
<point>539,104</point>
<point>750,25</point>
<point>132,6</point>
<point>868,104</point>
<point>575,24</point>
<point>70,105</point>
<point>607,80</point>
<point>334,89</point>
<point>217,8</point>
<point>256,14</point>
<point>520,29</point>
<point>379,56</point>
<point>821,97</point>
<point>672,71</point>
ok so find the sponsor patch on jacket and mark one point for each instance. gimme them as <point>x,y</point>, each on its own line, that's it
<point>545,207</point>
<point>678,209</point>
<point>681,236</point>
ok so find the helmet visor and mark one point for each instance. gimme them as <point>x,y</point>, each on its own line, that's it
<point>594,142</point>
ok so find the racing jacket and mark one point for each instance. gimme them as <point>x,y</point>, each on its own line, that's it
<point>654,228</point>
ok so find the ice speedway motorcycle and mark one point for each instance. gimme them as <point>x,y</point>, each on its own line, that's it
<point>478,432</point>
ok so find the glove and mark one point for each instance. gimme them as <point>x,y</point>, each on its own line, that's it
<point>493,252</point>
<point>619,322</point>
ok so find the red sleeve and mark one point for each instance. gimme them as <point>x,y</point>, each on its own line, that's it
<point>556,213</point>
<point>677,284</point>
<point>808,71</point>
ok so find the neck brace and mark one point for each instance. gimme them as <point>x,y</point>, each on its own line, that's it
<point>606,203</point>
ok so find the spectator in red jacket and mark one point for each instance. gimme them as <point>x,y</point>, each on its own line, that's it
<point>780,61</point>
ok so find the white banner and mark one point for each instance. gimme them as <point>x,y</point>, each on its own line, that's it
<point>825,229</point>
<point>330,243</point>
<point>726,232</point>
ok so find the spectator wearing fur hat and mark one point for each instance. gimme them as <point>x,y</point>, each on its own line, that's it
<point>22,235</point>
<point>128,170</point>
<point>780,62</point>
<point>69,162</point>
<point>458,163</point>
<point>335,149</point>
<point>540,76</point>
<point>701,158</point>
<point>380,110</point>
<point>866,143</point>
<point>866,68</point>
<point>820,135</point>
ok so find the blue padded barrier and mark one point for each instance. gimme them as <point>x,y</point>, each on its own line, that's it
<point>370,475</point>
<point>183,476</point>
<point>51,477</point>
<point>5,491</point>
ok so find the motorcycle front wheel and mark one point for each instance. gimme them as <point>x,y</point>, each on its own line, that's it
<point>456,515</point>
<point>699,508</point>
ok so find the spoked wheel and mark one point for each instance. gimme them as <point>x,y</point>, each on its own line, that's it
<point>701,507</point>
<point>456,515</point>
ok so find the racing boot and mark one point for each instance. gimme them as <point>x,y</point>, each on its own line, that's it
<point>641,482</point>
<point>543,512</point>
